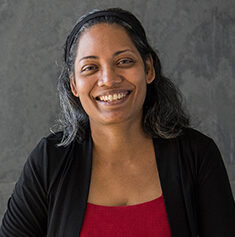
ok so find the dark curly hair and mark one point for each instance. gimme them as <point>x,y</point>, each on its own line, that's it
<point>163,115</point>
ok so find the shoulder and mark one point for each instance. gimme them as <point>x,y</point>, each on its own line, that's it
<point>50,143</point>
<point>51,140</point>
<point>47,159</point>
<point>195,139</point>
<point>190,140</point>
<point>199,149</point>
<point>47,148</point>
<point>195,135</point>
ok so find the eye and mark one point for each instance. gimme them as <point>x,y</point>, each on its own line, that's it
<point>88,68</point>
<point>125,62</point>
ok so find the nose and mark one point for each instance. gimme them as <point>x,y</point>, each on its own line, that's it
<point>109,77</point>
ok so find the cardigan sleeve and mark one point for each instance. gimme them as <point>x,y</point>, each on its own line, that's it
<point>216,206</point>
<point>26,214</point>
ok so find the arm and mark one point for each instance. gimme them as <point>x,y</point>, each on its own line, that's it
<point>26,214</point>
<point>216,208</point>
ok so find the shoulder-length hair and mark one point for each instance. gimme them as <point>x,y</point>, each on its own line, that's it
<point>163,115</point>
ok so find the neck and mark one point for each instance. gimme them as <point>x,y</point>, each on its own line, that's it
<point>118,144</point>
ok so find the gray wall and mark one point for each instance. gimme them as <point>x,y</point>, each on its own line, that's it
<point>195,40</point>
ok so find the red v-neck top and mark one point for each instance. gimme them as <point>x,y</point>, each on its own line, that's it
<point>146,219</point>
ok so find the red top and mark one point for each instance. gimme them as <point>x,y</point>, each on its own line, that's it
<point>145,219</point>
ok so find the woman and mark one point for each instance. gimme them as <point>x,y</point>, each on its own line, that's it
<point>126,162</point>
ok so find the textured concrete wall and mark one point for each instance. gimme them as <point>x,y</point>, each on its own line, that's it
<point>195,40</point>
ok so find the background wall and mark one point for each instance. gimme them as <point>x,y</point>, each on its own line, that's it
<point>195,40</point>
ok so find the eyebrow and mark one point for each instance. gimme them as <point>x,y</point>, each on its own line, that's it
<point>115,54</point>
<point>123,51</point>
<point>86,57</point>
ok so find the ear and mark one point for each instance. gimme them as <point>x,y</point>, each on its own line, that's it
<point>150,71</point>
<point>73,86</point>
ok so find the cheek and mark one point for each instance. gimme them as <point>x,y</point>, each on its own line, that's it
<point>140,82</point>
<point>84,86</point>
<point>142,91</point>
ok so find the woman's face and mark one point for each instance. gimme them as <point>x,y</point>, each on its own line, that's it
<point>109,75</point>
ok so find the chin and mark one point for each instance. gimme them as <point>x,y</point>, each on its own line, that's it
<point>118,119</point>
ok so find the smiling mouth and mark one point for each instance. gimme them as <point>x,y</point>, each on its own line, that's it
<point>113,97</point>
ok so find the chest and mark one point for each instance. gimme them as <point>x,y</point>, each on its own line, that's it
<point>125,185</point>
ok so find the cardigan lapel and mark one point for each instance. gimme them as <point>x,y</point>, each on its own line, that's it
<point>83,181</point>
<point>167,159</point>
<point>72,192</point>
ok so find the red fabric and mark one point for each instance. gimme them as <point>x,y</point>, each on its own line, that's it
<point>146,219</point>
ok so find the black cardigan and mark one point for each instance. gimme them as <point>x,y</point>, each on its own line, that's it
<point>50,196</point>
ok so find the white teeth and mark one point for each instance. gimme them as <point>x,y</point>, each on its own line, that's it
<point>113,97</point>
<point>110,98</point>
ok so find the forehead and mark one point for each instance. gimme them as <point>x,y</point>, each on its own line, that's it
<point>103,38</point>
